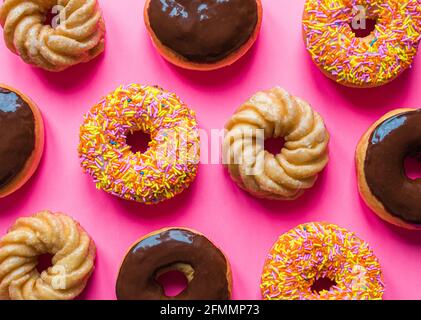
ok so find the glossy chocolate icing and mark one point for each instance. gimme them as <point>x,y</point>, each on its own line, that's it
<point>203,31</point>
<point>390,143</point>
<point>144,261</point>
<point>17,132</point>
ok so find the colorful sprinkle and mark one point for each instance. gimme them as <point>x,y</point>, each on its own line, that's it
<point>319,250</point>
<point>371,61</point>
<point>165,169</point>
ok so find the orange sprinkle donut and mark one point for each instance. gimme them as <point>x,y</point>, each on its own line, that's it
<point>316,251</point>
<point>368,61</point>
<point>165,169</point>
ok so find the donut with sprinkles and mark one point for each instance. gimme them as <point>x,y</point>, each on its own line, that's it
<point>333,37</point>
<point>165,169</point>
<point>315,251</point>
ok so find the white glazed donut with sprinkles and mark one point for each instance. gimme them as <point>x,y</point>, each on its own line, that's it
<point>161,172</point>
<point>315,251</point>
<point>359,60</point>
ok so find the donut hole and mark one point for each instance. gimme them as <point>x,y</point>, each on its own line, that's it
<point>274,145</point>
<point>362,28</point>
<point>174,278</point>
<point>412,166</point>
<point>138,141</point>
<point>50,18</point>
<point>173,282</point>
<point>44,262</point>
<point>322,284</point>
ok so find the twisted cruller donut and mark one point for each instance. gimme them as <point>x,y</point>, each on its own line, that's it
<point>54,233</point>
<point>286,175</point>
<point>78,38</point>
<point>315,251</point>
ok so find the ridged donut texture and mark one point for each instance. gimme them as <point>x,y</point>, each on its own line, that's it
<point>286,175</point>
<point>78,37</point>
<point>57,234</point>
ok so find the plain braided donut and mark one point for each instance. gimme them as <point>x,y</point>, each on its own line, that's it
<point>78,37</point>
<point>73,258</point>
<point>305,153</point>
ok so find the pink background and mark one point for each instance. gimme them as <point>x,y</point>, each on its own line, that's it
<point>244,227</point>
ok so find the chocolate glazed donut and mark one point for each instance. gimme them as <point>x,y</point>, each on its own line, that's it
<point>203,35</point>
<point>204,265</point>
<point>203,30</point>
<point>17,132</point>
<point>22,139</point>
<point>380,161</point>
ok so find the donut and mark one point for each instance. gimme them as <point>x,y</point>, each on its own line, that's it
<point>73,255</point>
<point>315,251</point>
<point>275,114</point>
<point>76,34</point>
<point>352,59</point>
<point>205,34</point>
<point>380,156</point>
<point>205,267</point>
<point>22,139</point>
<point>168,166</point>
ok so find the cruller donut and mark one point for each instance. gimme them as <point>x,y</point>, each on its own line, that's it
<point>164,170</point>
<point>275,114</point>
<point>206,268</point>
<point>380,157</point>
<point>79,35</point>
<point>73,255</point>
<point>369,61</point>
<point>315,251</point>
<point>22,139</point>
<point>203,34</point>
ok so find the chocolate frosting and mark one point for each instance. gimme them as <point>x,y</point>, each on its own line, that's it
<point>203,31</point>
<point>17,132</point>
<point>143,262</point>
<point>390,143</point>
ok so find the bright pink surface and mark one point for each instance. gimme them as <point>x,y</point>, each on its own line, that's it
<point>244,227</point>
